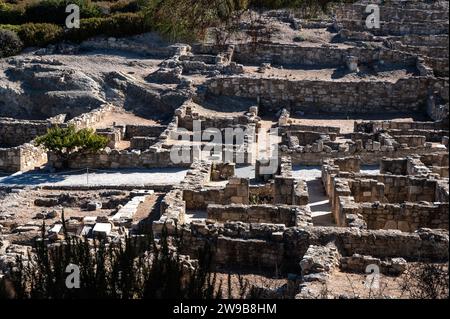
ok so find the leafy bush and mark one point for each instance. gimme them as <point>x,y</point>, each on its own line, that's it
<point>10,14</point>
<point>277,4</point>
<point>119,25</point>
<point>10,43</point>
<point>54,11</point>
<point>124,6</point>
<point>64,141</point>
<point>39,34</point>
<point>190,19</point>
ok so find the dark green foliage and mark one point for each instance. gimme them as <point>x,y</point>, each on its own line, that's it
<point>119,25</point>
<point>123,6</point>
<point>53,11</point>
<point>190,19</point>
<point>10,14</point>
<point>64,141</point>
<point>136,268</point>
<point>39,34</point>
<point>10,43</point>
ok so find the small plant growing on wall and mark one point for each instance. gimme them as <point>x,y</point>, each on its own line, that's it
<point>66,141</point>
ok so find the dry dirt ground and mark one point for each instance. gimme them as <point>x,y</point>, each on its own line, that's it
<point>148,208</point>
<point>346,122</point>
<point>339,285</point>
<point>122,117</point>
<point>331,74</point>
<point>22,206</point>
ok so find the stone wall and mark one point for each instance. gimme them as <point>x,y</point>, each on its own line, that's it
<point>91,118</point>
<point>222,171</point>
<point>143,130</point>
<point>323,56</point>
<point>22,158</point>
<point>279,249</point>
<point>394,166</point>
<point>280,214</point>
<point>137,44</point>
<point>236,191</point>
<point>375,126</point>
<point>347,190</point>
<point>390,13</point>
<point>112,159</point>
<point>368,157</point>
<point>411,140</point>
<point>114,136</point>
<point>399,28</point>
<point>17,132</point>
<point>142,142</point>
<point>329,96</point>
<point>407,217</point>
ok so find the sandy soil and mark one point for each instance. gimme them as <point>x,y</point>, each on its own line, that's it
<point>346,123</point>
<point>22,204</point>
<point>354,286</point>
<point>331,74</point>
<point>123,118</point>
<point>145,209</point>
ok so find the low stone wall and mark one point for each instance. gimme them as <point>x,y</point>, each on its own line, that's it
<point>347,190</point>
<point>430,135</point>
<point>235,192</point>
<point>375,126</point>
<point>358,264</point>
<point>113,159</point>
<point>323,56</point>
<point>222,171</point>
<point>91,118</point>
<point>173,212</point>
<point>143,130</point>
<point>137,44</point>
<point>411,140</point>
<point>399,28</point>
<point>389,13</point>
<point>368,157</point>
<point>22,158</point>
<point>281,214</point>
<point>442,191</point>
<point>407,217</point>
<point>114,136</point>
<point>286,189</point>
<point>277,248</point>
<point>332,167</point>
<point>142,142</point>
<point>17,132</point>
<point>405,95</point>
<point>394,166</point>
<point>310,128</point>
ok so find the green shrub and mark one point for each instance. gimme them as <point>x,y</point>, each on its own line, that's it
<point>10,14</point>
<point>190,19</point>
<point>65,141</point>
<point>124,6</point>
<point>39,34</point>
<point>300,4</point>
<point>119,25</point>
<point>54,11</point>
<point>10,43</point>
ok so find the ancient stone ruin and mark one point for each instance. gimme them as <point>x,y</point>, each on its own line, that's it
<point>355,174</point>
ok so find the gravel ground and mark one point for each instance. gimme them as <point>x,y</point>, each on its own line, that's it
<point>166,176</point>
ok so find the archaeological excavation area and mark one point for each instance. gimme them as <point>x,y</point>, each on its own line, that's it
<point>303,162</point>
